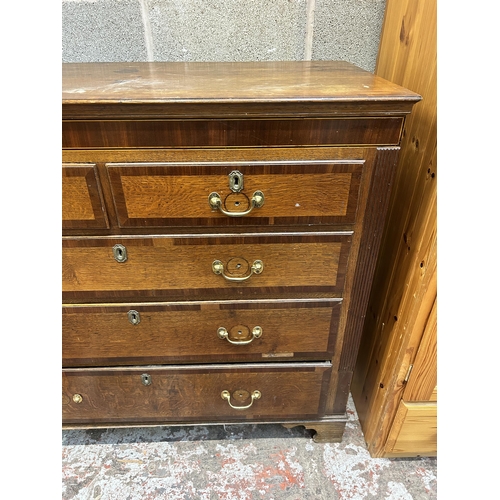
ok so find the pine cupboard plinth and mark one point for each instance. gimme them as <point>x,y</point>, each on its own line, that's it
<point>221,223</point>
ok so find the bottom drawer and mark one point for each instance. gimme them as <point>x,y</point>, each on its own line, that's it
<point>153,394</point>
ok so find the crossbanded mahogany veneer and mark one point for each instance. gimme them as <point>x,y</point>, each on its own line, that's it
<point>221,223</point>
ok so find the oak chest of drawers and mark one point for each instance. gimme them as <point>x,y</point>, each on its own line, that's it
<point>221,223</point>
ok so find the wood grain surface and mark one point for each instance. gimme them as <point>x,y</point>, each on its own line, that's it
<point>305,186</point>
<point>291,89</point>
<point>402,304</point>
<point>320,140</point>
<point>414,431</point>
<point>246,83</point>
<point>187,332</point>
<point>421,385</point>
<point>172,266</point>
<point>82,198</point>
<point>371,236</point>
<point>177,194</point>
<point>231,133</point>
<point>191,393</point>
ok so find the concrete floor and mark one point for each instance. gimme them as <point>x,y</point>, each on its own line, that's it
<point>236,462</point>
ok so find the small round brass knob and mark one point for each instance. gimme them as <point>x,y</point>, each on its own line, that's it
<point>77,398</point>
<point>258,199</point>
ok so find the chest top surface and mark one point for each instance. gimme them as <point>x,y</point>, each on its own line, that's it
<point>315,82</point>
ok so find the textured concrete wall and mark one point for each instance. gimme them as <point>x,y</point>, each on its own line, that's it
<point>222,30</point>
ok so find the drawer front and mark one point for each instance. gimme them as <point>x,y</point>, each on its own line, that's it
<point>158,195</point>
<point>231,133</point>
<point>199,332</point>
<point>115,395</point>
<point>82,201</point>
<point>208,266</point>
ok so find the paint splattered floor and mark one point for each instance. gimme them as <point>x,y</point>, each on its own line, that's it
<point>236,462</point>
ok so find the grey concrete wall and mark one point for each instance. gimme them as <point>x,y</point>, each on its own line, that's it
<point>221,30</point>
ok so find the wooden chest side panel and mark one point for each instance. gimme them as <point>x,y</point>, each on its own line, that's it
<point>174,194</point>
<point>231,133</point>
<point>187,332</point>
<point>82,199</point>
<point>188,394</point>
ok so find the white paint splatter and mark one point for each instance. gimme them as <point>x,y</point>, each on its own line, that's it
<point>352,471</point>
<point>427,477</point>
<point>397,491</point>
<point>164,466</point>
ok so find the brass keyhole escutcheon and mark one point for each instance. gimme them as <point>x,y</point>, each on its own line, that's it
<point>120,253</point>
<point>235,181</point>
<point>146,379</point>
<point>134,317</point>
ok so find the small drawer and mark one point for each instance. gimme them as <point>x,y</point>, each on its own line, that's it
<point>216,133</point>
<point>82,201</point>
<point>149,394</point>
<point>238,193</point>
<point>213,332</point>
<point>212,267</point>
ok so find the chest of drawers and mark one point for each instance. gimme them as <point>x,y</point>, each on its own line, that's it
<point>221,223</point>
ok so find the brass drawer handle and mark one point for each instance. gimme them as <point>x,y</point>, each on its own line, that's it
<point>215,203</point>
<point>227,396</point>
<point>218,268</point>
<point>224,334</point>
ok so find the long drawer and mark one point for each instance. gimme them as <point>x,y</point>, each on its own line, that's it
<point>235,193</point>
<point>210,266</point>
<point>152,394</point>
<point>199,332</point>
<point>186,133</point>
